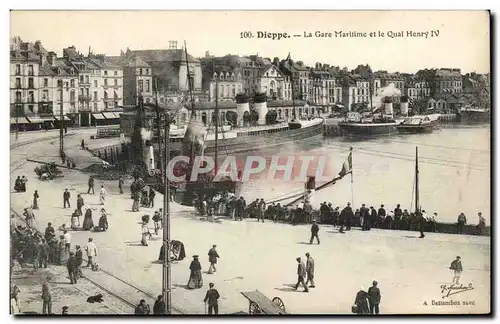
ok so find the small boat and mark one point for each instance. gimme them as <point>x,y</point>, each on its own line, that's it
<point>417,124</point>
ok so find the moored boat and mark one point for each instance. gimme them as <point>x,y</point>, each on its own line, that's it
<point>474,114</point>
<point>416,124</point>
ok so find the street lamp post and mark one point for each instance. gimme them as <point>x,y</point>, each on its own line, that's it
<point>167,276</point>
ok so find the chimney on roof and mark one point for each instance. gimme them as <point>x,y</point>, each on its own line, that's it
<point>207,53</point>
<point>172,45</point>
<point>51,57</point>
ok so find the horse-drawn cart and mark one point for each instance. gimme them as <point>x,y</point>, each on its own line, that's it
<point>260,304</point>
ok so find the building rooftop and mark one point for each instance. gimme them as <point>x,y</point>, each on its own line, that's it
<point>164,55</point>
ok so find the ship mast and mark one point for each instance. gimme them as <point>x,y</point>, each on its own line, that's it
<point>294,116</point>
<point>417,207</point>
<point>216,120</point>
<point>191,99</point>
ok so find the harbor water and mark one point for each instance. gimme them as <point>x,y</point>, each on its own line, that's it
<point>454,177</point>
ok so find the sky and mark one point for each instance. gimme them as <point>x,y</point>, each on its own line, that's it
<point>463,40</point>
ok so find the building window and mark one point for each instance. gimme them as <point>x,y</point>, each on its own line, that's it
<point>141,86</point>
<point>18,96</point>
<point>105,72</point>
<point>105,82</point>
<point>147,86</point>
<point>72,83</point>
<point>116,82</point>
<point>95,104</point>
<point>105,95</point>
<point>18,83</point>
<point>140,71</point>
<point>95,95</point>
<point>45,82</point>
<point>72,96</point>
<point>116,73</point>
<point>87,79</point>
<point>18,69</point>
<point>30,70</point>
<point>95,83</point>
<point>31,108</point>
<point>81,78</point>
<point>147,71</point>
<point>45,95</point>
<point>31,83</point>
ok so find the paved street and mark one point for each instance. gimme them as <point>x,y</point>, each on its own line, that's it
<point>262,256</point>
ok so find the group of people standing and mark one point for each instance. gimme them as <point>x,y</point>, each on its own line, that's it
<point>20,184</point>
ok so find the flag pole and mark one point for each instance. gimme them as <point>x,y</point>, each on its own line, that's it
<point>352,181</point>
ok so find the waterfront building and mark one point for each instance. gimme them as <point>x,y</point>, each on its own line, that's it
<point>324,89</point>
<point>298,73</point>
<point>170,72</point>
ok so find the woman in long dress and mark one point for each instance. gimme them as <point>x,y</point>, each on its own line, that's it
<point>195,279</point>
<point>145,234</point>
<point>88,222</point>
<point>102,195</point>
<point>35,199</point>
<point>63,253</point>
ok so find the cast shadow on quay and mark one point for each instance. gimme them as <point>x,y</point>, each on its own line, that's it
<point>289,288</point>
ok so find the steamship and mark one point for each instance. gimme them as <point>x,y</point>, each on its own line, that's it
<point>382,123</point>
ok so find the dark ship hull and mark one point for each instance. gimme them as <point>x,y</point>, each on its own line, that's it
<point>367,129</point>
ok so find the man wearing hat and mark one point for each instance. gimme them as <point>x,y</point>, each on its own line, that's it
<point>314,232</point>
<point>310,270</point>
<point>346,217</point>
<point>301,273</point>
<point>374,298</point>
<point>212,297</point>
<point>72,266</point>
<point>46,297</point>
<point>66,196</point>
<point>212,258</point>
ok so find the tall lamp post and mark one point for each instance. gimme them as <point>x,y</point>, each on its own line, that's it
<point>167,276</point>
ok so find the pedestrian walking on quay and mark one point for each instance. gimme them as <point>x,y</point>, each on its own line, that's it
<point>461,222</point>
<point>314,232</point>
<point>212,298</point>
<point>35,200</point>
<point>23,183</point>
<point>345,217</point>
<point>29,216</point>
<point>261,210</point>
<point>456,267</point>
<point>75,220</point>
<point>91,185</point>
<point>72,266</point>
<point>18,185</point>
<point>152,195</point>
<point>120,184</point>
<point>103,221</point>
<point>212,258</point>
<point>44,253</point>
<point>88,222</point>
<point>66,197</point>
<point>365,212</point>
<point>374,298</point>
<point>361,302</point>
<point>15,303</point>
<point>63,253</point>
<point>195,278</point>
<point>136,195</point>
<point>91,250</point>
<point>79,261</point>
<point>310,270</point>
<point>301,274</point>
<point>156,222</point>
<point>142,308</point>
<point>46,297</point>
<point>145,234</point>
<point>79,203</point>
<point>481,226</point>
<point>102,195</point>
<point>83,144</point>
<point>159,306</point>
<point>421,221</point>
<point>67,240</point>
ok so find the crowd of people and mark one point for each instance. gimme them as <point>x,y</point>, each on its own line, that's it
<point>226,204</point>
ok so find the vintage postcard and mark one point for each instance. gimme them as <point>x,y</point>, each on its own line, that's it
<point>250,162</point>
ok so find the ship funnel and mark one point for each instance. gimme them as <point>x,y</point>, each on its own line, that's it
<point>260,105</point>
<point>404,106</point>
<point>388,108</point>
<point>242,106</point>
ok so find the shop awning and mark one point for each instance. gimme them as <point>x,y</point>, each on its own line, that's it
<point>57,117</point>
<point>35,120</point>
<point>109,115</point>
<point>48,118</point>
<point>20,120</point>
<point>98,116</point>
